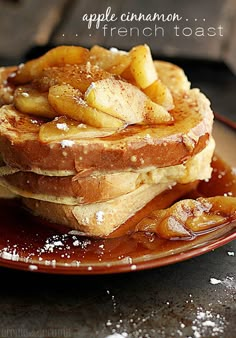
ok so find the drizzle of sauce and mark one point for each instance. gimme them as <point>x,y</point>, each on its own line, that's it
<point>30,239</point>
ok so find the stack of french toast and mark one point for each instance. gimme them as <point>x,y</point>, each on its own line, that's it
<point>89,137</point>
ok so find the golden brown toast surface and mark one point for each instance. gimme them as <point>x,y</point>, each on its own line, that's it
<point>135,147</point>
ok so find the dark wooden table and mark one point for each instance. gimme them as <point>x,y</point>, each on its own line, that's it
<point>173,301</point>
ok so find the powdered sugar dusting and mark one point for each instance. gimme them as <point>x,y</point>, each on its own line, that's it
<point>118,335</point>
<point>60,242</point>
<point>199,321</point>
<point>99,216</point>
<point>67,143</point>
<point>33,267</point>
<point>62,126</point>
<point>228,282</point>
<point>215,281</point>
<point>132,324</point>
<point>208,324</point>
<point>9,254</point>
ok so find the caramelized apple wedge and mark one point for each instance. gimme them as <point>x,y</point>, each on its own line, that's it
<point>30,101</point>
<point>64,128</point>
<point>78,76</point>
<point>69,101</point>
<point>142,67</point>
<point>113,60</point>
<point>58,56</point>
<point>159,93</point>
<point>187,217</point>
<point>124,101</point>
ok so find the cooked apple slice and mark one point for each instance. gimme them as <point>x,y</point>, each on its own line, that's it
<point>65,128</point>
<point>159,93</point>
<point>58,56</point>
<point>113,60</point>
<point>78,76</point>
<point>187,217</point>
<point>155,114</point>
<point>68,101</point>
<point>142,67</point>
<point>125,101</point>
<point>30,101</point>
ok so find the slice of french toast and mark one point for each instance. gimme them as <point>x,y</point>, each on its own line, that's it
<point>99,186</point>
<point>132,148</point>
<point>96,219</point>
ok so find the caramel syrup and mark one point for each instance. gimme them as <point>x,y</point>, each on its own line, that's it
<point>27,238</point>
